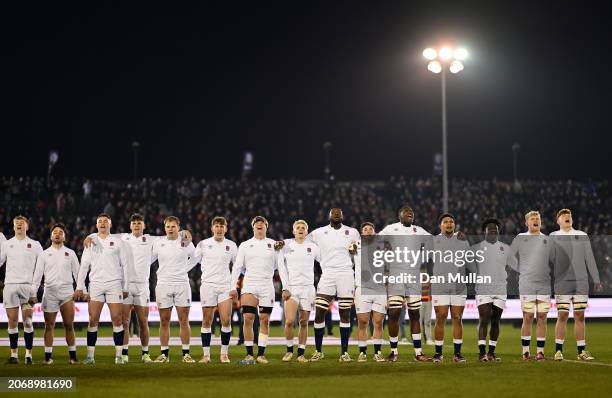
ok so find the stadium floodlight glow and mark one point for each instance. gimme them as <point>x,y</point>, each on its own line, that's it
<point>445,53</point>
<point>434,66</point>
<point>455,67</point>
<point>460,54</point>
<point>430,54</point>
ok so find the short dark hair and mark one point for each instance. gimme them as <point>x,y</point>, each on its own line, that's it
<point>366,223</point>
<point>562,212</point>
<point>172,219</point>
<point>259,218</point>
<point>444,215</point>
<point>490,221</point>
<point>218,220</point>
<point>103,215</point>
<point>60,226</point>
<point>405,207</point>
<point>136,217</point>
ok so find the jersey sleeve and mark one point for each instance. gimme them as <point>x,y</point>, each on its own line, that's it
<point>197,257</point>
<point>84,268</point>
<point>590,260</point>
<point>238,267</point>
<point>74,265</point>
<point>281,264</point>
<point>39,271</point>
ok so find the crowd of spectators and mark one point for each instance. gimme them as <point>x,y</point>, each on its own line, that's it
<point>77,202</point>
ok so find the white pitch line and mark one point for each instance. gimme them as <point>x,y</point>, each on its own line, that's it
<point>588,362</point>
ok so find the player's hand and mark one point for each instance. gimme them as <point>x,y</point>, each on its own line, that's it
<point>234,295</point>
<point>187,236</point>
<point>125,295</point>
<point>461,236</point>
<point>598,287</point>
<point>77,295</point>
<point>353,248</point>
<point>32,300</point>
<point>279,244</point>
<point>286,295</point>
<point>88,242</point>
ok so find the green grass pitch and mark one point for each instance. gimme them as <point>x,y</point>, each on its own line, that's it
<point>510,378</point>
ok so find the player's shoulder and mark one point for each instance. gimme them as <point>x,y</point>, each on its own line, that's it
<point>319,230</point>
<point>69,251</point>
<point>350,229</point>
<point>246,243</point>
<point>230,242</point>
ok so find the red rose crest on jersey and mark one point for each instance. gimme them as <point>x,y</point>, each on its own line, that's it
<point>29,245</point>
<point>308,249</point>
<point>144,239</point>
<point>346,232</point>
<point>226,248</point>
<point>112,244</point>
<point>269,245</point>
<point>414,229</point>
<point>66,254</point>
<point>501,248</point>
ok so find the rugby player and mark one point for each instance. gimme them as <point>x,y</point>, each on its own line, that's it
<point>173,289</point>
<point>296,268</point>
<point>20,254</point>
<point>59,266</point>
<point>573,265</point>
<point>107,262</point>
<point>534,252</point>
<point>216,255</point>
<point>256,259</point>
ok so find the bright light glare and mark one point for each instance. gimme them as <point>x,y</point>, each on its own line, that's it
<point>434,66</point>
<point>445,53</point>
<point>430,54</point>
<point>456,67</point>
<point>460,54</point>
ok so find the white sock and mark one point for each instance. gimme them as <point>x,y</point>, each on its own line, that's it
<point>417,337</point>
<point>48,350</point>
<point>492,343</point>
<point>206,351</point>
<point>262,340</point>
<point>118,349</point>
<point>482,342</point>
<point>581,342</point>
<point>224,349</point>
<point>91,351</point>
<point>393,340</point>
<point>289,342</point>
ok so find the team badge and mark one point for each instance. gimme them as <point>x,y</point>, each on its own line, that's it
<point>346,232</point>
<point>250,246</point>
<point>182,244</point>
<point>501,248</point>
<point>144,238</point>
<point>414,229</point>
<point>545,241</point>
<point>29,245</point>
<point>112,243</point>
<point>66,254</point>
<point>226,248</point>
<point>325,232</point>
<point>210,246</point>
<point>269,245</point>
<point>309,250</point>
<point>576,237</point>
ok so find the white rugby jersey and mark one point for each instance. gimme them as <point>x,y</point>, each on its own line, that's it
<point>142,251</point>
<point>496,257</point>
<point>534,253</point>
<point>2,238</point>
<point>400,229</point>
<point>574,257</point>
<point>107,260</point>
<point>256,259</point>
<point>334,244</point>
<point>20,258</point>
<point>215,258</point>
<point>296,263</point>
<point>173,257</point>
<point>58,266</point>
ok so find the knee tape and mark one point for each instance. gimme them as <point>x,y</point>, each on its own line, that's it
<point>321,302</point>
<point>529,306</point>
<point>249,309</point>
<point>396,302</point>
<point>345,303</point>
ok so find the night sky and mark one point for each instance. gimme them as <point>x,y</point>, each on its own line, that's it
<point>197,84</point>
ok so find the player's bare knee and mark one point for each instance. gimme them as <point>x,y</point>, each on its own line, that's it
<point>303,323</point>
<point>579,316</point>
<point>289,323</point>
<point>51,326</point>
